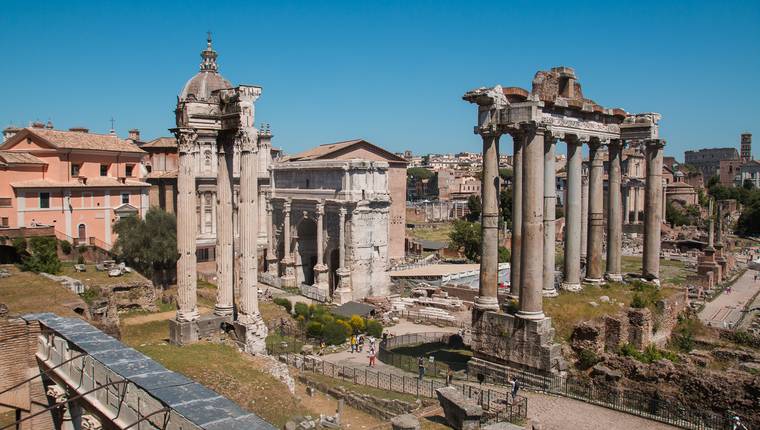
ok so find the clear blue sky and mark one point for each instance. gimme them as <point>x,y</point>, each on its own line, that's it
<point>391,72</point>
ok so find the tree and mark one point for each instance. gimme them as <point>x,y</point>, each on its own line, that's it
<point>505,207</point>
<point>465,236</point>
<point>148,245</point>
<point>713,181</point>
<point>419,173</point>
<point>505,173</point>
<point>43,256</point>
<point>475,206</point>
<point>505,255</point>
<point>747,184</point>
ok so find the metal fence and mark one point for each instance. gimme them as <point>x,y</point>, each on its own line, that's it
<point>646,405</point>
<point>497,405</point>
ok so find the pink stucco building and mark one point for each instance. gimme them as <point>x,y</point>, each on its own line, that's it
<point>78,182</point>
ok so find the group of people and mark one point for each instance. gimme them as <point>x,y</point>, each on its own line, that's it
<point>357,345</point>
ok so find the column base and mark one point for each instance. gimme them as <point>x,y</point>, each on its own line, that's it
<point>272,268</point>
<point>572,286</point>
<point>343,294</point>
<point>614,277</point>
<point>320,277</point>
<point>252,332</point>
<point>187,316</point>
<point>223,310</point>
<point>205,327</point>
<point>486,303</point>
<point>533,316</point>
<point>594,281</point>
<point>550,293</point>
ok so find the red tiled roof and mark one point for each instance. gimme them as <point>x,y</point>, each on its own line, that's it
<point>162,142</point>
<point>18,157</point>
<point>76,140</point>
<point>91,182</point>
<point>326,149</point>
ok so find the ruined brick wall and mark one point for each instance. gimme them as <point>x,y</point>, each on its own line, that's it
<point>666,317</point>
<point>639,327</point>
<point>615,332</point>
<point>18,363</point>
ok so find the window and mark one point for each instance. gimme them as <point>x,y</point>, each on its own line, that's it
<point>104,170</point>
<point>4,221</point>
<point>75,169</point>
<point>44,200</point>
<point>124,198</point>
<point>130,169</point>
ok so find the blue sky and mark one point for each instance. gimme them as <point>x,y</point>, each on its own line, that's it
<point>392,72</point>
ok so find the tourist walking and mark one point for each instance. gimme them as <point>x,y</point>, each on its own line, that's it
<point>372,356</point>
<point>421,367</point>
<point>353,344</point>
<point>449,377</point>
<point>361,343</point>
<point>515,386</point>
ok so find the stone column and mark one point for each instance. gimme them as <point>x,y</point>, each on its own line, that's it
<point>320,269</point>
<point>614,215</point>
<point>595,210</point>
<point>626,204</point>
<point>550,206</point>
<point>489,257</point>
<point>531,270</point>
<point>343,293</point>
<point>636,205</point>
<point>272,260</point>
<point>573,214</point>
<point>653,211</point>
<point>517,180</point>
<point>248,214</point>
<point>584,217</point>
<point>224,231</point>
<point>187,309</point>
<point>289,278</point>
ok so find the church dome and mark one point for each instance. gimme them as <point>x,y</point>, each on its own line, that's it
<point>207,80</point>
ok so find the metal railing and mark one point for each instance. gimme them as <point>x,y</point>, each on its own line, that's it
<point>497,405</point>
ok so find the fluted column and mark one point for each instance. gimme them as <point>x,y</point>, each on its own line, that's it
<point>187,309</point>
<point>614,212</point>
<point>489,257</point>
<point>320,269</point>
<point>343,293</point>
<point>224,231</point>
<point>636,205</point>
<point>531,270</point>
<point>550,205</point>
<point>626,206</point>
<point>653,210</point>
<point>595,213</point>
<point>517,180</point>
<point>248,215</point>
<point>573,213</point>
<point>272,259</point>
<point>289,278</point>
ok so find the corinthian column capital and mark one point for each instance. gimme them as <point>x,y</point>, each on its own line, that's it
<point>245,141</point>
<point>186,140</point>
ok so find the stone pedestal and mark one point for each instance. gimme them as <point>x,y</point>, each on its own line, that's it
<point>252,332</point>
<point>320,278</point>
<point>205,327</point>
<point>272,263</point>
<point>289,278</point>
<point>461,413</point>
<point>405,422</point>
<point>343,293</point>
<point>510,341</point>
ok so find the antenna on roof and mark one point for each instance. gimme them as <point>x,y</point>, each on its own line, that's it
<point>113,130</point>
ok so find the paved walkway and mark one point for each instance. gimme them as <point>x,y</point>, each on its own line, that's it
<point>726,309</point>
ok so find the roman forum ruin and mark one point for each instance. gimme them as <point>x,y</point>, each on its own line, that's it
<point>212,114</point>
<point>555,109</point>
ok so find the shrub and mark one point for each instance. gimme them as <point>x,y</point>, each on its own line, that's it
<point>649,355</point>
<point>336,332</point>
<point>374,328</point>
<point>65,247</point>
<point>80,259</point>
<point>638,302</point>
<point>43,256</point>
<point>302,309</point>
<point>82,249</point>
<point>357,324</point>
<point>314,329</point>
<point>587,358</point>
<point>512,307</point>
<point>285,303</point>
<point>19,243</point>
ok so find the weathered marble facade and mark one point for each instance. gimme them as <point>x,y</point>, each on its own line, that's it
<point>330,224</point>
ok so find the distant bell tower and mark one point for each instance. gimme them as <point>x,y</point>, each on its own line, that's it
<point>746,147</point>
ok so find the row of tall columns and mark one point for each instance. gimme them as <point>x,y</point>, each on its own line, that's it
<point>187,307</point>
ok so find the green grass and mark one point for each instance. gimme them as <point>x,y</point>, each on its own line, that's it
<point>672,272</point>
<point>25,292</point>
<point>220,367</point>
<point>361,389</point>
<point>437,232</point>
<point>92,277</point>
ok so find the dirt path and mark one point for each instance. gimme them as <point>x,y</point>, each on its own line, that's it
<point>726,310</point>
<point>158,316</point>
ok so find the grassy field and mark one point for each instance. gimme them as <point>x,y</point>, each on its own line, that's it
<point>437,232</point>
<point>672,272</point>
<point>25,292</point>
<point>92,277</point>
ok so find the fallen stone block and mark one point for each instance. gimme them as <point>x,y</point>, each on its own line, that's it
<point>461,413</point>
